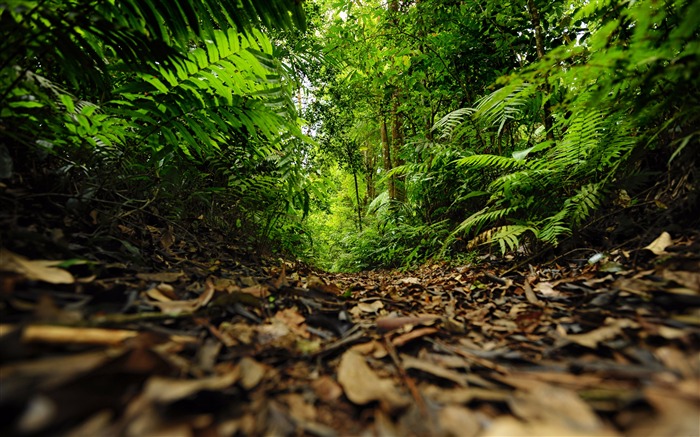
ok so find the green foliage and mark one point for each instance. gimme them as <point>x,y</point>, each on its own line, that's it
<point>178,106</point>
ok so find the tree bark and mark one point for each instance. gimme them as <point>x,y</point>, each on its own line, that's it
<point>386,155</point>
<point>396,144</point>
<point>539,43</point>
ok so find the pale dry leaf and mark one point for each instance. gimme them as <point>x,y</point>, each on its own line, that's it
<point>556,407</point>
<point>512,427</point>
<point>370,307</point>
<point>658,246</point>
<point>678,416</point>
<point>362,385</point>
<point>186,306</point>
<point>164,390</point>
<point>257,290</point>
<point>458,421</point>
<point>35,270</point>
<point>252,372</point>
<point>690,280</point>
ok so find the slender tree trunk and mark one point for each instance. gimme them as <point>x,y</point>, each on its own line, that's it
<point>370,170</point>
<point>539,42</point>
<point>386,154</point>
<point>357,197</point>
<point>396,144</point>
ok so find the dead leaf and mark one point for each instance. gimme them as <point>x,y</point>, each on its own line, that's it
<point>363,307</point>
<point>37,270</point>
<point>184,306</point>
<point>689,280</point>
<point>414,334</point>
<point>410,362</point>
<point>530,295</point>
<point>612,328</point>
<point>252,372</point>
<point>294,321</point>
<point>390,323</point>
<point>160,276</point>
<point>256,290</point>
<point>362,385</point>
<point>166,390</point>
<point>326,388</point>
<point>69,335</point>
<point>458,421</point>
<point>658,246</point>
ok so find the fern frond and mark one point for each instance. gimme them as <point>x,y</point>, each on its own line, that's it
<point>507,237</point>
<point>504,104</point>
<point>487,215</point>
<point>451,121</point>
<point>580,206</point>
<point>495,161</point>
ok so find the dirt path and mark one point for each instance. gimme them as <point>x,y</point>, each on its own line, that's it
<point>223,347</point>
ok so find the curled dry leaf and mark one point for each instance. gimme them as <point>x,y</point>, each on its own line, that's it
<point>184,306</point>
<point>35,270</point>
<point>362,385</point>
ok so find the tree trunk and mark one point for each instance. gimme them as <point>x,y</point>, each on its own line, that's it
<point>396,144</point>
<point>539,43</point>
<point>357,198</point>
<point>370,170</point>
<point>386,155</point>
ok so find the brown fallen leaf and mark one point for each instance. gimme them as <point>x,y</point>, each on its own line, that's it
<point>612,328</point>
<point>414,334</point>
<point>326,388</point>
<point>679,415</point>
<point>160,276</point>
<point>256,290</point>
<point>294,321</point>
<point>410,362</point>
<point>690,280</point>
<point>35,270</point>
<point>362,385</point>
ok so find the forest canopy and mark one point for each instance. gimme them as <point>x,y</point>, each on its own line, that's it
<point>357,135</point>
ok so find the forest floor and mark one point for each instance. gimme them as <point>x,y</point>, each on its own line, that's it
<point>160,334</point>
